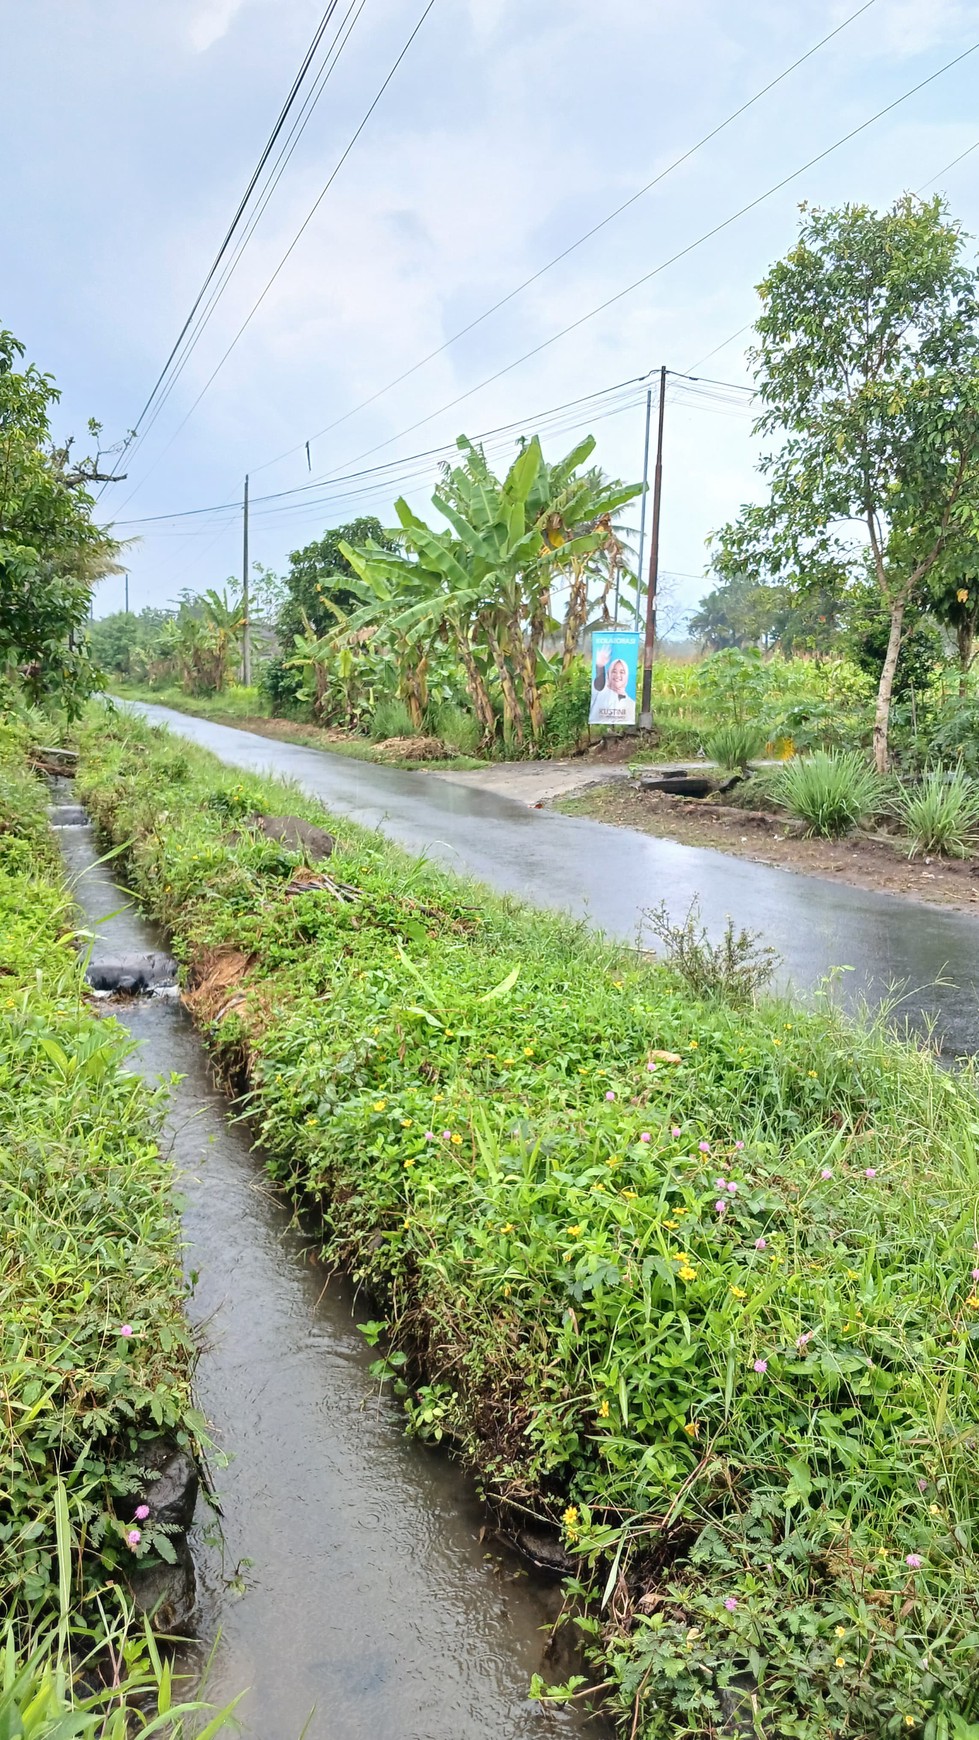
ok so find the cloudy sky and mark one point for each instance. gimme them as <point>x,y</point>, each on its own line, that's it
<point>129,130</point>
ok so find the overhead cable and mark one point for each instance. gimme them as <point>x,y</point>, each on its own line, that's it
<point>299,124</point>
<point>267,151</point>
<point>579,242</point>
<point>256,305</point>
<point>681,253</point>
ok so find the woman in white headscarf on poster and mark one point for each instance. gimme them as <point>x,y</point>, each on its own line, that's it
<point>611,702</point>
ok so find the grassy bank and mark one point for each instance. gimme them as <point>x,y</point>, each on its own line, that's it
<point>696,1283</point>
<point>246,709</point>
<point>95,1355</point>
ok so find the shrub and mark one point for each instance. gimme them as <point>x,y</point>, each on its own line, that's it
<point>736,969</point>
<point>455,725</point>
<point>831,791</point>
<point>942,813</point>
<point>566,706</point>
<point>280,684</point>
<point>733,746</point>
<point>391,718</point>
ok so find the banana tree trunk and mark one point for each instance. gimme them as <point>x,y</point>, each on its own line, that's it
<point>512,710</point>
<point>577,612</point>
<point>478,692</point>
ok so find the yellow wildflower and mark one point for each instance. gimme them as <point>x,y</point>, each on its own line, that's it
<point>841,1661</point>
<point>693,1046</point>
<point>692,1428</point>
<point>570,1521</point>
<point>603,1409</point>
<point>840,1631</point>
<point>574,1232</point>
<point>379,1105</point>
<point>456,1141</point>
<point>687,1273</point>
<point>739,1293</point>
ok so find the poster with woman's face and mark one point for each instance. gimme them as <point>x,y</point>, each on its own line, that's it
<point>614,675</point>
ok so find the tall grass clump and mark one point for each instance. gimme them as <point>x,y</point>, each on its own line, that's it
<point>941,813</point>
<point>457,728</point>
<point>391,718</point>
<point>735,745</point>
<point>689,1279</point>
<point>832,791</point>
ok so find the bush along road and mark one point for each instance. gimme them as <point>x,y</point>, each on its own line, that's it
<point>95,1351</point>
<point>689,1279</point>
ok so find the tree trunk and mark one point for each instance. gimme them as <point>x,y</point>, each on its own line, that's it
<point>512,709</point>
<point>886,687</point>
<point>965,635</point>
<point>577,612</point>
<point>478,691</point>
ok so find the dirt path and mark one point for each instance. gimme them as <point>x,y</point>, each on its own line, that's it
<point>537,782</point>
<point>866,862</point>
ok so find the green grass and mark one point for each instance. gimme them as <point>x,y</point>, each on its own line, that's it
<point>90,1243</point>
<point>212,707</point>
<point>941,814</point>
<point>832,791</point>
<point>755,1427</point>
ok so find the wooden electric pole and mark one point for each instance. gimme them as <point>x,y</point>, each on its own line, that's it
<point>646,713</point>
<point>246,635</point>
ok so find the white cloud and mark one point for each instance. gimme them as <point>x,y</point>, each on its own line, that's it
<point>210,21</point>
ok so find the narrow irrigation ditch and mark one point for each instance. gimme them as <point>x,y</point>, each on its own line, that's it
<point>346,1574</point>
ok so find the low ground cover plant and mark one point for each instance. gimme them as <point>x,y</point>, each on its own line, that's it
<point>696,1282</point>
<point>95,1353</point>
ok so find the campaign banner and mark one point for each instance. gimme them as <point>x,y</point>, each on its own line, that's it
<point>614,677</point>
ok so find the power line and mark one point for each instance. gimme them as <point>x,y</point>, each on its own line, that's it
<point>681,253</point>
<point>747,327</point>
<point>299,125</point>
<point>296,238</point>
<point>519,423</point>
<point>242,205</point>
<point>955,160</point>
<point>573,246</point>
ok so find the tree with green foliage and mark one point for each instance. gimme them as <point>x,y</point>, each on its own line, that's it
<point>51,554</point>
<point>123,640</point>
<point>867,365</point>
<point>319,575</point>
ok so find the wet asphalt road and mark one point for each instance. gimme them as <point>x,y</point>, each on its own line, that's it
<point>611,876</point>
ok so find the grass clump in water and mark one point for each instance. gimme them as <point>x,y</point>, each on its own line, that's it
<point>693,1281</point>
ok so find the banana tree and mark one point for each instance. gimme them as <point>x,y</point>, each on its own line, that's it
<point>484,583</point>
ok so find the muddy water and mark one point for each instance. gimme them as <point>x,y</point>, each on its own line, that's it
<point>370,1607</point>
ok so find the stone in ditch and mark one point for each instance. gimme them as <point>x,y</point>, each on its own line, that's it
<point>297,835</point>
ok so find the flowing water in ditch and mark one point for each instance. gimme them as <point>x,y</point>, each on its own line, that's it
<point>369,1598</point>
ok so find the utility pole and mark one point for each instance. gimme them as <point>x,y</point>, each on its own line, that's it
<point>246,636</point>
<point>646,714</point>
<point>642,511</point>
<point>127,591</point>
